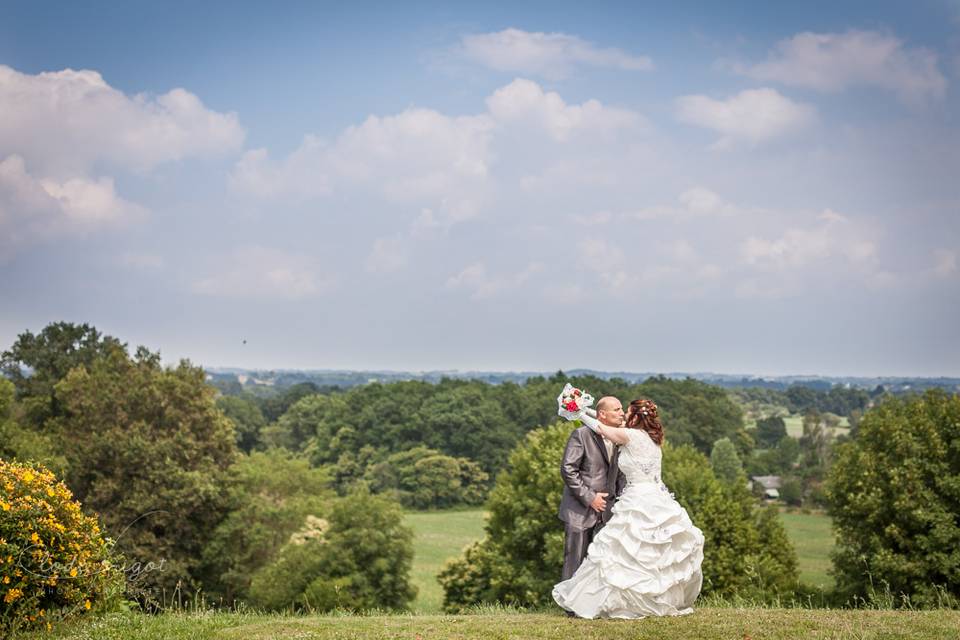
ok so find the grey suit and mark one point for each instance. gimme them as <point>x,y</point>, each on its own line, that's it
<point>586,471</point>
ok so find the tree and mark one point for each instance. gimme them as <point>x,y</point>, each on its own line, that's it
<point>358,559</point>
<point>725,462</point>
<point>247,420</point>
<point>791,491</point>
<point>18,442</point>
<point>270,496</point>
<point>770,431</point>
<point>519,559</point>
<point>894,495</point>
<point>310,423</point>
<point>274,406</point>
<point>36,363</point>
<point>424,478</point>
<point>802,399</point>
<point>148,449</point>
<point>737,558</point>
<point>692,412</point>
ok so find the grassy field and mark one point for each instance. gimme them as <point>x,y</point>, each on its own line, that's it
<point>438,536</point>
<point>794,426</point>
<point>812,538</point>
<point>707,623</point>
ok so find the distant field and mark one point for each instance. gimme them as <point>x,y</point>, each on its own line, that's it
<point>438,536</point>
<point>812,537</point>
<point>441,535</point>
<point>795,426</point>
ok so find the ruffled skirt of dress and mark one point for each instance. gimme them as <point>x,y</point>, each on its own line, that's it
<point>645,562</point>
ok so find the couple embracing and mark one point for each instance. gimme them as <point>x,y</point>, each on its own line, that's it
<point>630,550</point>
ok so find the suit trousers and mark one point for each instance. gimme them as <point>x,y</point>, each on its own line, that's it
<point>575,544</point>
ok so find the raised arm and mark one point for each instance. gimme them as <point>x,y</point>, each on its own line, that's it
<point>616,435</point>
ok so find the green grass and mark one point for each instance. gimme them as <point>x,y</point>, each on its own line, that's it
<point>812,537</point>
<point>438,536</point>
<point>707,623</point>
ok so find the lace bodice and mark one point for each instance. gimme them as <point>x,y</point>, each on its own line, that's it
<point>640,458</point>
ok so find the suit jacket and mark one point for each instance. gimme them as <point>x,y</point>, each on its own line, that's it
<point>586,471</point>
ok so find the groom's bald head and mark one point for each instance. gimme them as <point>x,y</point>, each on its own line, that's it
<point>606,403</point>
<point>610,411</point>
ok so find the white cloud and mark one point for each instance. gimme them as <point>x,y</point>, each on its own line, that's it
<point>474,278</point>
<point>34,209</point>
<point>753,115</point>
<point>60,131</point>
<point>524,101</point>
<point>419,156</point>
<point>836,61</point>
<point>834,236</point>
<point>695,202</point>
<point>264,273</point>
<point>422,158</point>
<point>552,55</point>
<point>389,254</point>
<point>700,200</point>
<point>64,122</point>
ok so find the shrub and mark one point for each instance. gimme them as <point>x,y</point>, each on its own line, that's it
<point>358,559</point>
<point>270,494</point>
<point>54,563</point>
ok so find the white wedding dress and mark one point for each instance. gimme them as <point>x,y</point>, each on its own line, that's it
<point>646,560</point>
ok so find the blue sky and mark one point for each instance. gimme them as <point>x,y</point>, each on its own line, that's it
<point>749,188</point>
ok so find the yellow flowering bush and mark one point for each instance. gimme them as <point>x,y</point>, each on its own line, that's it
<point>54,562</point>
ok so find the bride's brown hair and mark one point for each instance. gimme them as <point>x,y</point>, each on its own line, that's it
<point>643,414</point>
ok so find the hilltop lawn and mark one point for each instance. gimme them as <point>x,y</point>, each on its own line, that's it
<point>705,623</point>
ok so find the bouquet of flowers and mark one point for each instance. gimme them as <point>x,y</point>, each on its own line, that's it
<point>575,404</point>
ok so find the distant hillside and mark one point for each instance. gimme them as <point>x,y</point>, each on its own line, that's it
<point>284,378</point>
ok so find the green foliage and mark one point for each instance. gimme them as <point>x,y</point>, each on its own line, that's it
<point>276,404</point>
<point>270,495</point>
<point>726,463</point>
<point>791,491</point>
<point>424,478</point>
<point>21,442</point>
<point>778,461</point>
<point>894,494</point>
<point>746,551</point>
<point>47,358</point>
<point>770,431</point>
<point>359,558</point>
<point>475,420</point>
<point>519,560</point>
<point>54,562</point>
<point>147,449</point>
<point>692,412</point>
<point>247,420</point>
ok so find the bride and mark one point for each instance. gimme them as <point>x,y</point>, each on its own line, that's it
<point>646,560</point>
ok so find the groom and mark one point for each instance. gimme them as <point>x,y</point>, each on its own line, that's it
<point>592,480</point>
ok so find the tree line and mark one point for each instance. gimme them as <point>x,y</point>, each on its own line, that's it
<point>255,499</point>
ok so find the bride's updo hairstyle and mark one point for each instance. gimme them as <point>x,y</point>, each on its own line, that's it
<point>643,414</point>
